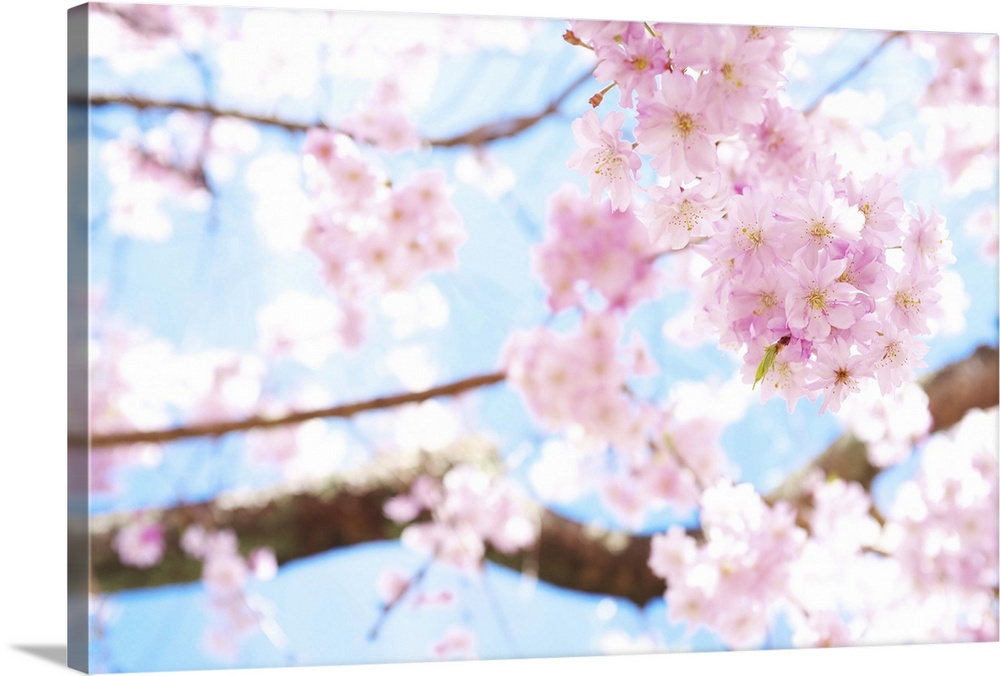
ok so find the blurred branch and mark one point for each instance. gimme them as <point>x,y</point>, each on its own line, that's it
<point>217,429</point>
<point>505,127</point>
<point>511,126</point>
<point>348,509</point>
<point>853,72</point>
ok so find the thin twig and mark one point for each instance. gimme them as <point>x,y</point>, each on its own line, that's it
<point>410,586</point>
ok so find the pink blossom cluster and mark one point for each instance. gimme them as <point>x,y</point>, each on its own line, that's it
<point>220,384</point>
<point>731,582</point>
<point>831,596</point>
<point>889,424</point>
<point>469,510</point>
<point>983,227</point>
<point>680,458</point>
<point>372,236</point>
<point>580,378</point>
<point>226,575</point>
<point>692,88</point>
<point>300,326</point>
<point>126,394</point>
<point>382,120</point>
<point>822,279</point>
<point>140,37</point>
<point>960,106</point>
<point>945,521</point>
<point>577,384</point>
<point>965,68</point>
<point>141,383</point>
<point>153,170</point>
<point>827,285</point>
<point>738,64</point>
<point>666,468</point>
<point>592,249</point>
<point>140,543</point>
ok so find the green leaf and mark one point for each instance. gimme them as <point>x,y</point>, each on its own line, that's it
<point>765,364</point>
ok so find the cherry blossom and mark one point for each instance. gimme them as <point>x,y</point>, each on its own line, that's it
<point>676,127</point>
<point>675,215</point>
<point>140,543</point>
<point>605,158</point>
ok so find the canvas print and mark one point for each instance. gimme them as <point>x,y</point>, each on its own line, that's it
<point>409,337</point>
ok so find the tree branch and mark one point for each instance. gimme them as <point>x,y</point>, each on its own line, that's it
<point>495,130</point>
<point>853,72</point>
<point>511,126</point>
<point>218,429</point>
<point>348,510</point>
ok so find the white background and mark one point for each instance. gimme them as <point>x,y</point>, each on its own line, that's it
<point>33,330</point>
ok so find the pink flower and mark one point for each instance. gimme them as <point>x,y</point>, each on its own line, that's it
<point>225,575</point>
<point>609,162</point>
<point>590,247</point>
<point>913,301</point>
<point>741,73</point>
<point>672,553</point>
<point>926,245</point>
<point>818,220</point>
<point>881,203</point>
<point>457,642</point>
<point>263,563</point>
<point>632,60</point>
<point>677,127</point>
<point>818,302</point>
<point>982,226</point>
<point>839,372</point>
<point>895,353</point>
<point>597,32</point>
<point>677,214</point>
<point>750,233</point>
<point>140,543</point>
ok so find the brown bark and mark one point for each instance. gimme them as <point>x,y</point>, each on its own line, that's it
<point>348,510</point>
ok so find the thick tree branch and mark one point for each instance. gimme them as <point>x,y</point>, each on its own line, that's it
<point>218,429</point>
<point>348,510</point>
<point>488,132</point>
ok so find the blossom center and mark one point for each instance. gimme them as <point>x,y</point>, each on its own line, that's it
<point>816,299</point>
<point>767,300</point>
<point>684,123</point>
<point>686,215</point>
<point>730,75</point>
<point>755,235</point>
<point>892,353</point>
<point>819,230</point>
<point>906,300</point>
